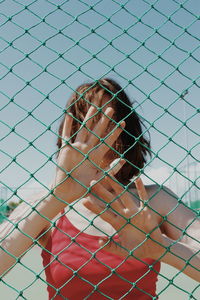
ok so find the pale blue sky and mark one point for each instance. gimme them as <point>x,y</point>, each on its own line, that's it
<point>154,54</point>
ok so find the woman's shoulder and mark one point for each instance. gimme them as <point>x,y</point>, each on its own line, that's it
<point>155,190</point>
<point>160,197</point>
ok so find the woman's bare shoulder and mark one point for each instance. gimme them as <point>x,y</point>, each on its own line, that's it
<point>156,191</point>
<point>161,198</point>
<point>169,205</point>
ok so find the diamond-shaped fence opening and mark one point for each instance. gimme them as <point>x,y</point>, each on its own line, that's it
<point>47,49</point>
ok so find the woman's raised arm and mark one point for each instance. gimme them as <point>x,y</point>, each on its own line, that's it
<point>77,165</point>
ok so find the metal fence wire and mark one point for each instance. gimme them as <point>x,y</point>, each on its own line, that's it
<point>48,48</point>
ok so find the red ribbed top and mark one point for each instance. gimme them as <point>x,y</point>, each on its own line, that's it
<point>75,269</point>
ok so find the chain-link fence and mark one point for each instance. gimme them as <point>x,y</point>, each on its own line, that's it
<point>48,48</point>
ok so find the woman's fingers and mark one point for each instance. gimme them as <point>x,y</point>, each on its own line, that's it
<point>109,141</point>
<point>87,124</point>
<point>100,128</point>
<point>107,196</point>
<point>126,198</point>
<point>115,166</point>
<point>67,127</point>
<point>141,191</point>
<point>97,131</point>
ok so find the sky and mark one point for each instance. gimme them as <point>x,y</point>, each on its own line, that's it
<point>48,48</point>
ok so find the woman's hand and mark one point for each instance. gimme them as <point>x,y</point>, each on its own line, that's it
<point>78,162</point>
<point>137,227</point>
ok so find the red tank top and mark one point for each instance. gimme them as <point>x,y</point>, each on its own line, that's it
<point>76,269</point>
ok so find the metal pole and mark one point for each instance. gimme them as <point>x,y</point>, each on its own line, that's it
<point>188,197</point>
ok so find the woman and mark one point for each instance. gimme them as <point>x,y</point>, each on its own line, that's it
<point>118,258</point>
<point>127,267</point>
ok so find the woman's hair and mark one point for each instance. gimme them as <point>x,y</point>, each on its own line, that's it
<point>131,143</point>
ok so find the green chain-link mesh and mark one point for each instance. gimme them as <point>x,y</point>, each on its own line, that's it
<point>47,48</point>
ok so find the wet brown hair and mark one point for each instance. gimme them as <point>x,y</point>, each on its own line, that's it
<point>131,143</point>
